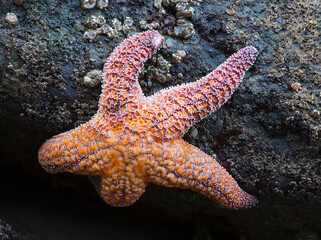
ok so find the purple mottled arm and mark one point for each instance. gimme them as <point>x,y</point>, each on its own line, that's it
<point>178,108</point>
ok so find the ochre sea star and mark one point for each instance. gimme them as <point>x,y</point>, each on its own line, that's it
<point>134,140</point>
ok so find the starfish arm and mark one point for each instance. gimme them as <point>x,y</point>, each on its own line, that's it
<point>83,150</point>
<point>123,180</point>
<point>178,108</point>
<point>120,189</point>
<point>121,70</point>
<point>184,166</point>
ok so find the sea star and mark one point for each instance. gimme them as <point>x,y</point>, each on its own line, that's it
<point>134,140</point>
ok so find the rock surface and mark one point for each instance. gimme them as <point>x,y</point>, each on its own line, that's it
<point>268,135</point>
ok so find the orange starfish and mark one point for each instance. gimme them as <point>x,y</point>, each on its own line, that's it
<point>134,140</point>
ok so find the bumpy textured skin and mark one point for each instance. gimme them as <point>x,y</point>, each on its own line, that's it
<point>134,140</point>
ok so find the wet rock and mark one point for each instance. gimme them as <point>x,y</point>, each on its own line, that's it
<point>267,135</point>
